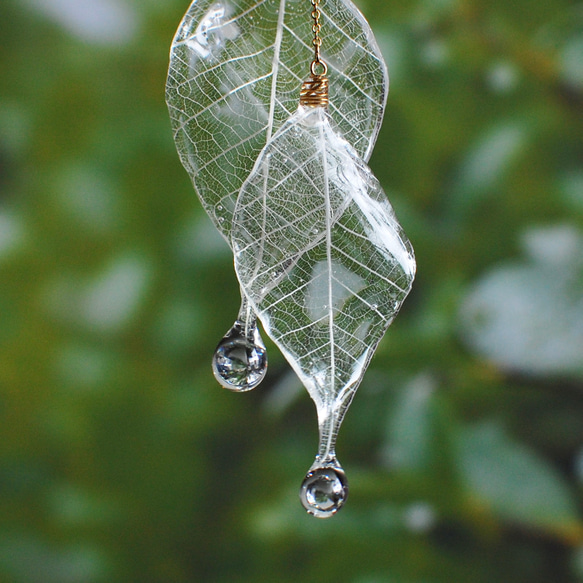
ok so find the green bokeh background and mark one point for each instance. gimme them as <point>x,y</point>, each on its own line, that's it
<point>121,458</point>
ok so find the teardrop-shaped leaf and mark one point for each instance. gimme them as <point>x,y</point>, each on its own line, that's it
<point>235,72</point>
<point>321,257</point>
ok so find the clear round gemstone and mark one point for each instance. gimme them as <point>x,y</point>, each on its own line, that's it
<point>324,491</point>
<point>240,361</point>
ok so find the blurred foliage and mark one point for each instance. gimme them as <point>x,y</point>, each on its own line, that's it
<point>122,461</point>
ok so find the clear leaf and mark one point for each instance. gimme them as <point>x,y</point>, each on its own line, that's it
<point>236,67</point>
<point>322,259</point>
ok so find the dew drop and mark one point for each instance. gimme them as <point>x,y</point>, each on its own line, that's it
<point>240,360</point>
<point>324,490</point>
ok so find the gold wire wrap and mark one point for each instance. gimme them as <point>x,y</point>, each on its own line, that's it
<point>314,92</point>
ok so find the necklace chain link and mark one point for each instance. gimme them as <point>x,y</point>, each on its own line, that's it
<point>317,40</point>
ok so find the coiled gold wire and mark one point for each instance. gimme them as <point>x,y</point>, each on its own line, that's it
<point>314,92</point>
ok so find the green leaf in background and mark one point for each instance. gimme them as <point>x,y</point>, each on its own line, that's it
<point>513,482</point>
<point>412,426</point>
<point>529,317</point>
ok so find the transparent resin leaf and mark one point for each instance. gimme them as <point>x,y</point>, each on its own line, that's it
<point>235,71</point>
<point>323,261</point>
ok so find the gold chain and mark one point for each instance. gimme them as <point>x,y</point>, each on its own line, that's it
<point>317,40</point>
<point>314,91</point>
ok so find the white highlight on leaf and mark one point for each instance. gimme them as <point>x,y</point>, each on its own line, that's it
<point>570,62</point>
<point>556,246</point>
<point>420,517</point>
<point>492,156</point>
<point>110,302</point>
<point>211,34</point>
<point>107,22</point>
<point>12,233</point>
<point>528,316</point>
<point>330,280</point>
